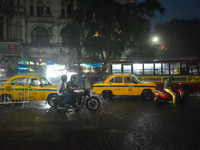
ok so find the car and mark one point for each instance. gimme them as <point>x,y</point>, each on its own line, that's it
<point>121,84</point>
<point>28,87</point>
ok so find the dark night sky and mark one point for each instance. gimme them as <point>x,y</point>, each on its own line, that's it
<point>177,9</point>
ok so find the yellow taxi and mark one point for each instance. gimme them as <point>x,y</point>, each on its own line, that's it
<point>121,84</point>
<point>28,87</point>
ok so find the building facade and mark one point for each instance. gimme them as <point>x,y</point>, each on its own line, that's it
<point>179,39</point>
<point>30,30</point>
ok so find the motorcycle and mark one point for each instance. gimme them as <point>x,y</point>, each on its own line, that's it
<point>162,97</point>
<point>83,95</point>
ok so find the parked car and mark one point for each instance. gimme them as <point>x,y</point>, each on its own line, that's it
<point>28,87</point>
<point>121,84</point>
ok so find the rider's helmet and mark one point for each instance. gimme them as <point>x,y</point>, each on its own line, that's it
<point>73,77</point>
<point>63,78</point>
<point>171,78</point>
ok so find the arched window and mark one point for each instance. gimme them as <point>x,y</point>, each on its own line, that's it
<point>40,37</point>
<point>40,9</point>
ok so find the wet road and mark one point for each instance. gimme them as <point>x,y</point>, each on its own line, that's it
<point>124,123</point>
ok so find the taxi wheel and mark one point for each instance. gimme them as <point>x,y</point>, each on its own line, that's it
<point>107,95</point>
<point>147,95</point>
<point>51,100</point>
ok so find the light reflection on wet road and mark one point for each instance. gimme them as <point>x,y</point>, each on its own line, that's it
<point>119,124</point>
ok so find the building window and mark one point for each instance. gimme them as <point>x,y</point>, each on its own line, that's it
<point>18,3</point>
<point>69,10</point>
<point>40,9</point>
<point>48,11</point>
<point>1,28</point>
<point>40,37</point>
<point>62,13</point>
<point>31,10</point>
<point>10,2</point>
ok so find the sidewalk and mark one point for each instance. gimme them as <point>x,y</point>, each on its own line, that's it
<point>195,94</point>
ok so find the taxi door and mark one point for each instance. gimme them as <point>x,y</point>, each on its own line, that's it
<point>116,85</point>
<point>36,89</point>
<point>18,89</point>
<point>130,86</point>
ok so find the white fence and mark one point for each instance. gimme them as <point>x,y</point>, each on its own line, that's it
<point>14,92</point>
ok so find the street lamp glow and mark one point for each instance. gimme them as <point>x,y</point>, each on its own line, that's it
<point>155,39</point>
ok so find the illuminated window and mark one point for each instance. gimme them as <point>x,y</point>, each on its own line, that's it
<point>165,67</point>
<point>116,68</point>
<point>174,68</point>
<point>157,68</point>
<point>148,68</point>
<point>127,69</point>
<point>138,68</point>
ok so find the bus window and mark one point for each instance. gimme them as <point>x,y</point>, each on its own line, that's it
<point>157,68</point>
<point>116,68</point>
<point>148,68</point>
<point>165,67</point>
<point>138,69</point>
<point>193,68</point>
<point>199,69</point>
<point>127,69</point>
<point>174,68</point>
<point>183,68</point>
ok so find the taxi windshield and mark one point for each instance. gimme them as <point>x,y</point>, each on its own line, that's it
<point>45,81</point>
<point>136,79</point>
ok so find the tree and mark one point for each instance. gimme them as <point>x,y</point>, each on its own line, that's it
<point>109,28</point>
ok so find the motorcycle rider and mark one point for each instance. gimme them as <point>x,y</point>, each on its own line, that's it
<point>61,90</point>
<point>71,86</point>
<point>168,89</point>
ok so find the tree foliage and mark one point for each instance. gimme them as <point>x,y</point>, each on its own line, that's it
<point>108,28</point>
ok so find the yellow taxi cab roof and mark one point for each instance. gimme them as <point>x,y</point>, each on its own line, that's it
<point>28,75</point>
<point>25,76</point>
<point>121,75</point>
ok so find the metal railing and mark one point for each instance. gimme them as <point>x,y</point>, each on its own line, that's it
<point>14,92</point>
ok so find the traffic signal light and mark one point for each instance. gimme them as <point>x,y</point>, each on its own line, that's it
<point>40,60</point>
<point>162,47</point>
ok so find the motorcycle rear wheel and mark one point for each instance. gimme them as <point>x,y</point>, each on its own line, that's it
<point>56,105</point>
<point>159,102</point>
<point>92,103</point>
